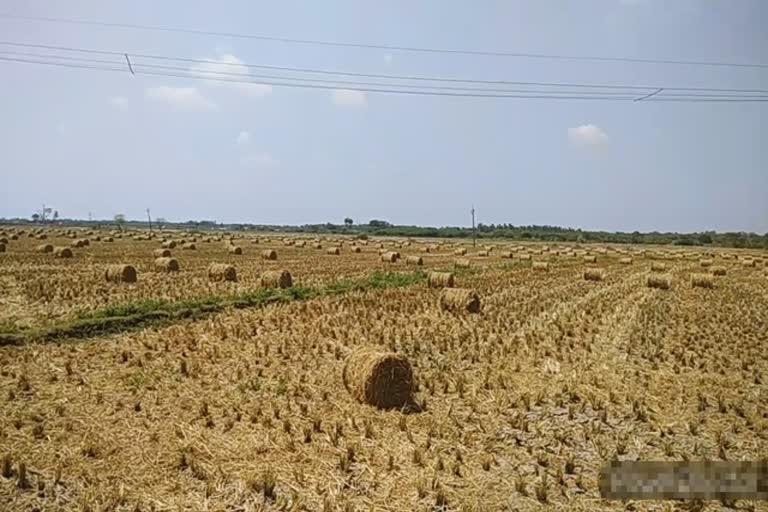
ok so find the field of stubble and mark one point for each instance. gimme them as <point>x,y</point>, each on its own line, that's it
<point>244,409</point>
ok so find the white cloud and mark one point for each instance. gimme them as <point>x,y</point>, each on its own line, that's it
<point>229,67</point>
<point>182,98</point>
<point>261,160</point>
<point>349,98</point>
<point>588,135</point>
<point>243,138</point>
<point>388,58</point>
<point>120,102</point>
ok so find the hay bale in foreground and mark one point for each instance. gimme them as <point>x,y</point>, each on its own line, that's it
<point>166,265</point>
<point>120,274</point>
<point>702,281</point>
<point>221,272</point>
<point>662,282</point>
<point>625,261</point>
<point>414,260</point>
<point>161,253</point>
<point>658,267</point>
<point>62,252</point>
<point>440,280</point>
<point>44,248</point>
<point>459,300</point>
<point>389,257</point>
<point>540,266</point>
<point>718,271</point>
<point>334,251</point>
<point>594,274</point>
<point>276,279</point>
<point>462,263</point>
<point>381,379</point>
<point>269,254</point>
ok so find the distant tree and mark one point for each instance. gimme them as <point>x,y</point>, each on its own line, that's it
<point>705,238</point>
<point>35,217</point>
<point>379,223</point>
<point>348,222</point>
<point>120,220</point>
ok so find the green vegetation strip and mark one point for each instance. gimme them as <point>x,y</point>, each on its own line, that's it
<point>135,315</point>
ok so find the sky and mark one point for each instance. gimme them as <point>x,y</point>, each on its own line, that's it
<point>87,141</point>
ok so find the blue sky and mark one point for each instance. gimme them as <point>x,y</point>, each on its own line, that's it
<point>89,141</point>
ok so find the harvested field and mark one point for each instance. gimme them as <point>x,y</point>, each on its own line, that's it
<point>247,395</point>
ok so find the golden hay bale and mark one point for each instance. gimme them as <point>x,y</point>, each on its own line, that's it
<point>705,263</point>
<point>62,252</point>
<point>658,267</point>
<point>269,254</point>
<point>425,249</point>
<point>44,248</point>
<point>3,240</point>
<point>524,257</point>
<point>234,249</point>
<point>748,263</point>
<point>702,280</point>
<point>77,243</point>
<point>2,247</point>
<point>507,254</point>
<point>718,271</point>
<point>41,236</point>
<point>14,237</point>
<point>221,272</point>
<point>594,274</point>
<point>288,243</point>
<point>389,257</point>
<point>483,254</point>
<point>488,248</point>
<point>276,279</point>
<point>460,252</point>
<point>381,379</point>
<point>625,261</point>
<point>356,249</point>
<point>109,239</point>
<point>541,266</point>
<point>440,280</point>
<point>190,247</point>
<point>590,259</point>
<point>414,260</point>
<point>663,282</point>
<point>459,300</point>
<point>302,243</point>
<point>161,253</point>
<point>462,263</point>
<point>120,274</point>
<point>317,245</point>
<point>166,264</point>
<point>169,244</point>
<point>333,251</point>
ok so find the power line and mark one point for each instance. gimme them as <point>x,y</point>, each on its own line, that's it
<point>389,47</point>
<point>637,89</point>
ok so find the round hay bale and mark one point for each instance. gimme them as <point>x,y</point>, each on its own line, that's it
<point>189,247</point>
<point>590,259</point>
<point>702,281</point>
<point>540,266</point>
<point>425,249</point>
<point>333,251</point>
<point>77,244</point>
<point>662,282</point>
<point>705,263</point>
<point>389,257</point>
<point>3,240</point>
<point>221,272</point>
<point>14,237</point>
<point>168,244</point>
<point>488,248</point>
<point>507,254</point>
<point>625,261</point>
<point>440,280</point>
<point>524,257</point>
<point>356,249</point>
<point>166,265</point>
<point>594,274</point>
<point>161,253</point>
<point>748,263</point>
<point>461,263</point>
<point>2,247</point>
<point>718,271</point>
<point>269,254</point>
<point>460,251</point>
<point>381,379</point>
<point>41,236</point>
<point>109,239</point>
<point>658,267</point>
<point>234,249</point>
<point>317,245</point>
<point>483,254</point>
<point>276,279</point>
<point>459,300</point>
<point>62,252</point>
<point>120,274</point>
<point>44,248</point>
<point>414,260</point>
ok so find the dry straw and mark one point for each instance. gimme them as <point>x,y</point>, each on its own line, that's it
<point>483,254</point>
<point>190,247</point>
<point>356,249</point>
<point>462,263</point>
<point>166,265</point>
<point>440,280</point>
<point>590,259</point>
<point>663,282</point>
<point>658,267</point>
<point>389,257</point>
<point>222,272</point>
<point>234,249</point>
<point>594,274</point>
<point>459,300</point>
<point>333,251</point>
<point>62,252</point>
<point>44,248</point>
<point>168,244</point>
<point>381,379</point>
<point>120,274</point>
<point>161,253</point>
<point>269,254</point>
<point>705,263</point>
<point>524,257</point>
<point>414,260</point>
<point>719,271</point>
<point>276,279</point>
<point>625,261</point>
<point>540,266</point>
<point>460,252</point>
<point>702,280</point>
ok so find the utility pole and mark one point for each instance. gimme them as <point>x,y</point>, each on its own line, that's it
<point>90,217</point>
<point>150,221</point>
<point>474,233</point>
